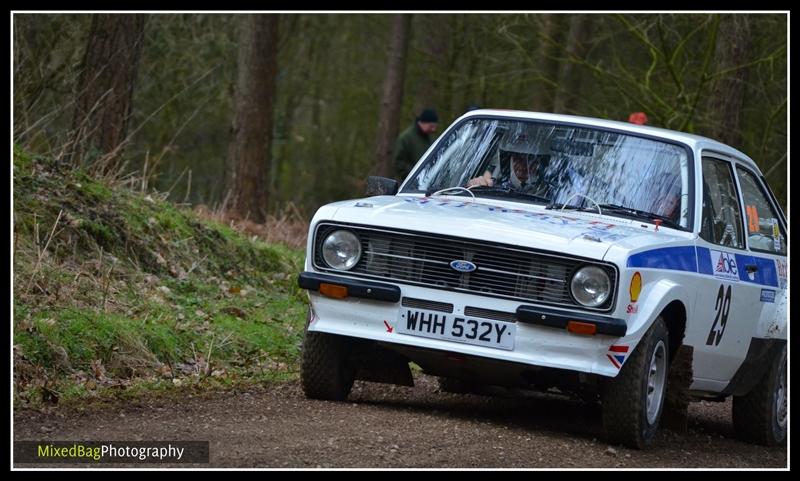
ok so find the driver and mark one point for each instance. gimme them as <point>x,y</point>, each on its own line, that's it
<point>666,200</point>
<point>523,168</point>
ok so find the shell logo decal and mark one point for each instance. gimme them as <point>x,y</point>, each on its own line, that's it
<point>636,286</point>
<point>635,290</point>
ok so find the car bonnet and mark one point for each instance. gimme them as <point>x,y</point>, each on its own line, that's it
<point>516,224</point>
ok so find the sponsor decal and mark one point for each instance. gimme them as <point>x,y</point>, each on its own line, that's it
<point>635,289</point>
<point>752,218</point>
<point>599,225</point>
<point>780,266</point>
<point>723,265</point>
<point>776,235</point>
<point>594,230</point>
<point>463,266</point>
<point>636,286</point>
<point>598,235</point>
<point>767,295</point>
<point>617,355</point>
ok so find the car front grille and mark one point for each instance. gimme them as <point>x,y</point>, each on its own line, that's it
<point>470,311</point>
<point>425,304</point>
<point>502,270</point>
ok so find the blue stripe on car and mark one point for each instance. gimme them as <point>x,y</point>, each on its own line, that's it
<point>704,261</point>
<point>742,261</point>
<point>698,259</point>
<point>672,258</point>
<point>767,273</point>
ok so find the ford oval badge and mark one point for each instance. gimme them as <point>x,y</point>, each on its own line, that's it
<point>463,266</point>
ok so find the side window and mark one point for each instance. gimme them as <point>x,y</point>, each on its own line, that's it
<point>722,218</point>
<point>764,231</point>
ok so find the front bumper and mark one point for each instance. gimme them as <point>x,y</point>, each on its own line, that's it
<point>377,291</point>
<point>371,309</point>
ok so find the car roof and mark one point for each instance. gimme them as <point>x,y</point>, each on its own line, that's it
<point>694,141</point>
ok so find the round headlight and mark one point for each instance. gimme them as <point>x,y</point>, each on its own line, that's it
<point>591,286</point>
<point>341,249</point>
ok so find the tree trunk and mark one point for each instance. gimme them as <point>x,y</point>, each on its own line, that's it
<point>568,76</point>
<point>392,94</point>
<point>552,33</point>
<point>105,87</point>
<point>727,96</point>
<point>249,154</point>
<point>434,32</point>
<point>452,53</point>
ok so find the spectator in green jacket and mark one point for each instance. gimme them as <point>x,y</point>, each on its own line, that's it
<point>414,141</point>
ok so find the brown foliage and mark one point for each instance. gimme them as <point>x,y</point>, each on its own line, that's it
<point>288,227</point>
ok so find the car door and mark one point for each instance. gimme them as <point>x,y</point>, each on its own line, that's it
<point>767,243</point>
<point>726,308</point>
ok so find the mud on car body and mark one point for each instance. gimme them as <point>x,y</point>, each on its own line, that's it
<point>529,250</point>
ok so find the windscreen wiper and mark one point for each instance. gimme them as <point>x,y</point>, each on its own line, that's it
<point>556,205</point>
<point>639,214</point>
<point>506,192</point>
<point>433,190</point>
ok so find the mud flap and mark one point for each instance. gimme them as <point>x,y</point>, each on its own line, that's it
<point>675,415</point>
<point>760,353</point>
<point>377,364</point>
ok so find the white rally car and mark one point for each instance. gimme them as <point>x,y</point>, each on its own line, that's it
<point>540,251</point>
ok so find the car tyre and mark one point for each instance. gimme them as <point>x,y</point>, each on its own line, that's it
<point>632,402</point>
<point>325,370</point>
<point>760,416</point>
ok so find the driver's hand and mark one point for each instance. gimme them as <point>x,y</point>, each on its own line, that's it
<point>484,180</point>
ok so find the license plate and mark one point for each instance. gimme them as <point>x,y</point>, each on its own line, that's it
<point>451,327</point>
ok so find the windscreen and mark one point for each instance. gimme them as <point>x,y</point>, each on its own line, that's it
<point>560,164</point>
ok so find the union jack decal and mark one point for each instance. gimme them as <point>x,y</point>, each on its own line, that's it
<point>617,355</point>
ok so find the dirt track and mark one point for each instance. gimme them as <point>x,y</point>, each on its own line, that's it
<point>386,426</point>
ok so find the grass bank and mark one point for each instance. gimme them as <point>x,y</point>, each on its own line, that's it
<point>118,291</point>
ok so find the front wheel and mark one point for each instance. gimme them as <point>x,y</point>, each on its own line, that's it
<point>632,401</point>
<point>760,416</point>
<point>325,370</point>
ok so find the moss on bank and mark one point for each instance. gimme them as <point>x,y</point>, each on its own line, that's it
<point>116,290</point>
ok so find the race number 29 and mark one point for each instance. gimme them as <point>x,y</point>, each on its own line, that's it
<point>722,306</point>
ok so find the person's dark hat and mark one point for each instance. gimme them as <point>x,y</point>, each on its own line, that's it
<point>472,107</point>
<point>428,115</point>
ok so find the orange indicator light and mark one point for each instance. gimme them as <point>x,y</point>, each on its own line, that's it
<point>581,328</point>
<point>332,290</point>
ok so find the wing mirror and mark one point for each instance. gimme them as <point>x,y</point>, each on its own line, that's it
<point>381,185</point>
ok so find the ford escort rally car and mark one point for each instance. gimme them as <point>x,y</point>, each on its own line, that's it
<point>538,251</point>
